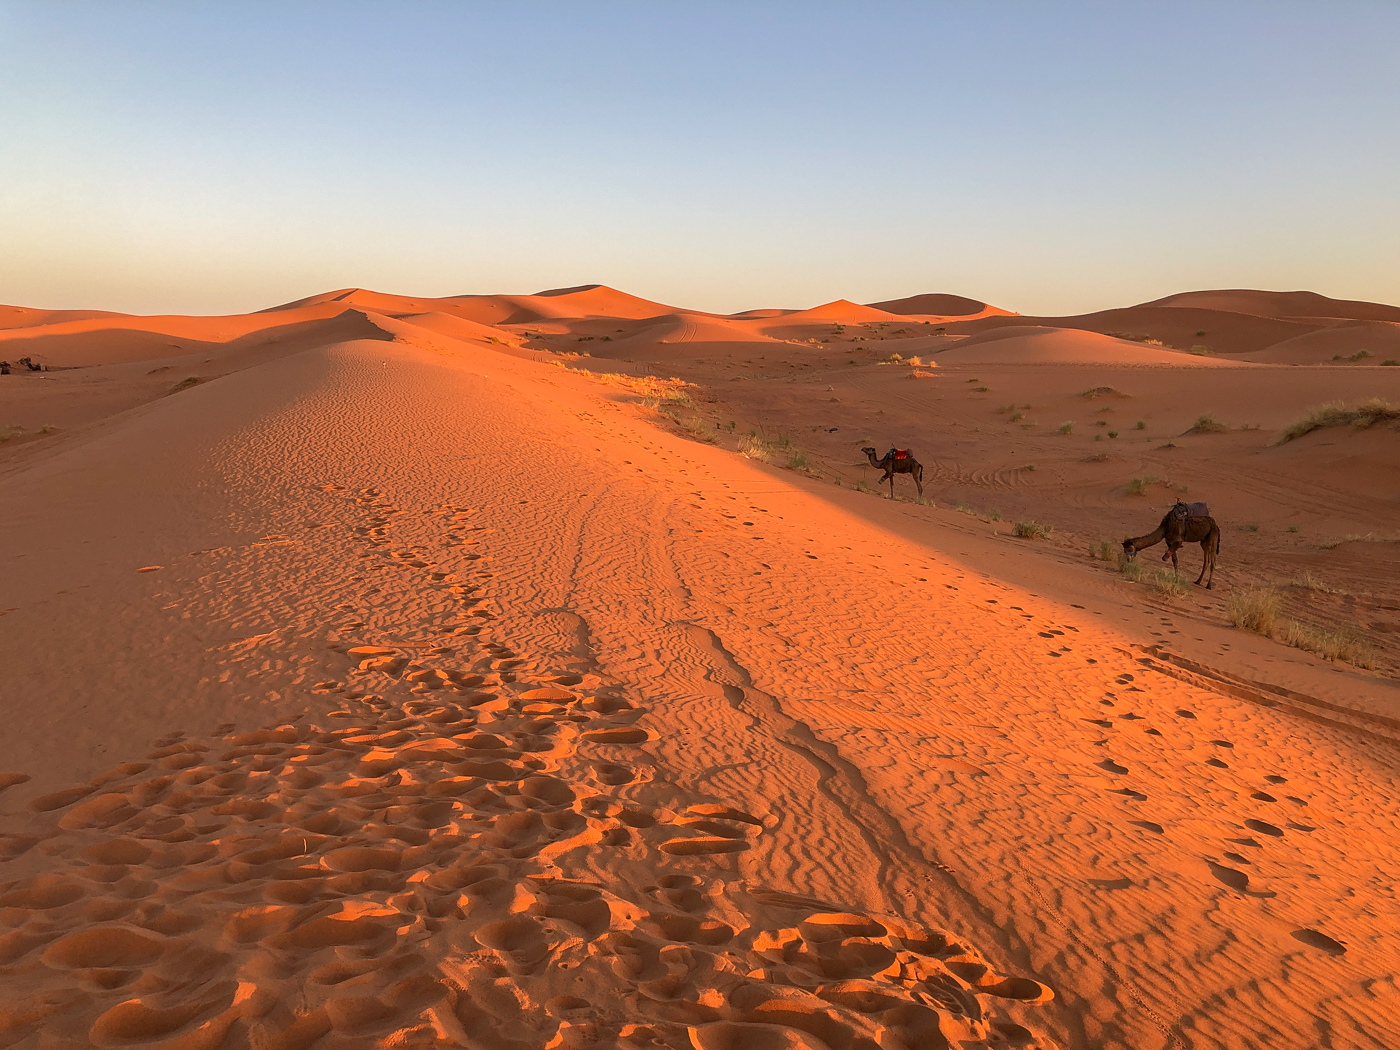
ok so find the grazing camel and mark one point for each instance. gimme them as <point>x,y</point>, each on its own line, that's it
<point>897,461</point>
<point>1179,527</point>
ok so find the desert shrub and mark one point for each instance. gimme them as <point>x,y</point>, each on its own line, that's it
<point>896,359</point>
<point>1113,433</point>
<point>1140,425</point>
<point>698,428</point>
<point>1103,550</point>
<point>914,362</point>
<point>1254,609</point>
<point>1097,457</point>
<point>1032,530</point>
<point>979,390</point>
<point>1336,414</point>
<point>1138,486</point>
<point>1016,417</point>
<point>1101,391</point>
<point>1330,643</point>
<point>14,430</point>
<point>1171,584</point>
<point>1067,427</point>
<point>754,447</point>
<point>1131,568</point>
<point>1293,528</point>
<point>1252,527</point>
<point>1200,350</point>
<point>1207,424</point>
<point>1390,361</point>
<point>1360,355</point>
<point>994,515</point>
<point>798,461</point>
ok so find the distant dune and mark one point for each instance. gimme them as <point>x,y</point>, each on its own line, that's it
<point>1065,346</point>
<point>1292,305</point>
<point>939,304</point>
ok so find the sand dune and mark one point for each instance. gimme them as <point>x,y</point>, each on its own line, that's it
<point>1295,305</point>
<point>1066,346</point>
<point>334,721</point>
<point>941,305</point>
<point>25,317</point>
<point>1380,341</point>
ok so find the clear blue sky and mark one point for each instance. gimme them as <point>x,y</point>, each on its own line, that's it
<point>1050,158</point>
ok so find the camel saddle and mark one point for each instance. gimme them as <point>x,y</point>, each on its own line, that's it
<point>900,453</point>
<point>1191,510</point>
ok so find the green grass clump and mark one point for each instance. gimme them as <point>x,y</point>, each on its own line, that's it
<point>1113,433</point>
<point>1207,424</point>
<point>1032,530</point>
<point>1171,584</point>
<point>1363,415</point>
<point>1138,486</point>
<point>1131,568</point>
<point>1140,425</point>
<point>798,461</point>
<point>1016,417</point>
<point>1067,427</point>
<point>1103,550</point>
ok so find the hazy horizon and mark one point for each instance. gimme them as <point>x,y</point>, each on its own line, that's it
<point>201,159</point>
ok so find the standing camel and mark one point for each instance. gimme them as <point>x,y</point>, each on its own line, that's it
<point>1179,527</point>
<point>896,461</point>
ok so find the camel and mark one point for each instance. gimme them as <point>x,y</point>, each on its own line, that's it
<point>1178,527</point>
<point>896,461</point>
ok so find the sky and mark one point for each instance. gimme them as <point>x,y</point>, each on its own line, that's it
<point>1048,158</point>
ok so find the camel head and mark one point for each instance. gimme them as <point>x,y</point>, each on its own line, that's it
<point>1130,548</point>
<point>868,450</point>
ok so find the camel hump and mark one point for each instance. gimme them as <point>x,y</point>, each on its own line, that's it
<point>901,453</point>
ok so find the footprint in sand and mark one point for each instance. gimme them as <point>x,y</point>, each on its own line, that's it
<point>1318,939</point>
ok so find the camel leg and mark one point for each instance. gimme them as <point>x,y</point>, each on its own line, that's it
<point>919,481</point>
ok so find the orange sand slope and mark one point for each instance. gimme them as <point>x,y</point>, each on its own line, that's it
<point>405,689</point>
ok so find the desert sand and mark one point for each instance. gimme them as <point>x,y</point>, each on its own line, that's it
<point>508,671</point>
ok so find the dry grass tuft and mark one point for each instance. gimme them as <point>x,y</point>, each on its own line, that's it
<point>1363,415</point>
<point>752,446</point>
<point>1207,424</point>
<point>1255,609</point>
<point>1033,530</point>
<point>1330,643</point>
<point>1101,391</point>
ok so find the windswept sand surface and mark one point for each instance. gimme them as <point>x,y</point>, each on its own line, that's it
<point>400,688</point>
